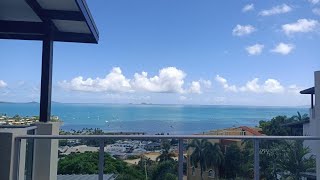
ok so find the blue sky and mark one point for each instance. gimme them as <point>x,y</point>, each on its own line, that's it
<point>178,52</point>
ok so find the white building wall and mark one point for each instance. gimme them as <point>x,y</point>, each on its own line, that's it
<point>316,119</point>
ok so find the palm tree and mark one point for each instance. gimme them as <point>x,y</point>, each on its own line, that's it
<point>296,160</point>
<point>165,155</point>
<point>300,117</point>
<point>215,157</point>
<point>205,154</point>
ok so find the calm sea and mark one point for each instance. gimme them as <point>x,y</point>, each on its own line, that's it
<point>173,119</point>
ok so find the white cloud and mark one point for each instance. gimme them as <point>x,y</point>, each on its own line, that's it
<point>195,87</point>
<point>314,1</point>
<point>240,30</point>
<point>269,86</point>
<point>280,9</point>
<point>283,48</point>
<point>3,84</point>
<point>302,25</point>
<point>294,89</point>
<point>169,80</point>
<point>316,11</point>
<point>273,86</point>
<point>255,49</point>
<point>251,86</point>
<point>225,84</point>
<point>248,7</point>
<point>115,81</point>
<point>183,98</point>
<point>205,83</point>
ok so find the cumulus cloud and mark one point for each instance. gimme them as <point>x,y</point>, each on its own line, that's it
<point>205,83</point>
<point>3,84</point>
<point>283,48</point>
<point>269,86</point>
<point>251,86</point>
<point>316,11</point>
<point>248,7</point>
<point>195,87</point>
<point>115,81</point>
<point>273,86</point>
<point>225,84</point>
<point>241,30</point>
<point>302,26</point>
<point>314,1</point>
<point>280,9</point>
<point>255,49</point>
<point>169,80</point>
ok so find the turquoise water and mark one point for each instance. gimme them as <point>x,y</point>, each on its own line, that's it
<point>173,119</point>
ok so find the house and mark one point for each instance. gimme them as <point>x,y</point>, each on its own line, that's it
<point>311,127</point>
<point>153,146</point>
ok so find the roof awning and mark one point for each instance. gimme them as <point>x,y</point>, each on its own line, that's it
<point>62,20</point>
<point>308,91</point>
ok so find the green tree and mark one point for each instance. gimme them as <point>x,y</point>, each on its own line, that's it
<point>164,170</point>
<point>232,165</point>
<point>275,127</point>
<point>87,163</point>
<point>205,154</point>
<point>165,154</point>
<point>300,117</point>
<point>296,160</point>
<point>170,176</point>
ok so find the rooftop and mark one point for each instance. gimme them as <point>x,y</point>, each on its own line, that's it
<point>308,91</point>
<point>62,20</point>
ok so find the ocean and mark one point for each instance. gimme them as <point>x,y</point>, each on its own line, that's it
<point>152,119</point>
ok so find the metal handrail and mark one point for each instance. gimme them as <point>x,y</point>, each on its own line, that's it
<point>181,138</point>
<point>166,137</point>
<point>25,127</point>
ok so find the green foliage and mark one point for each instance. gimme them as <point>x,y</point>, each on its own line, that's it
<point>165,154</point>
<point>300,117</point>
<point>296,160</point>
<point>164,170</point>
<point>275,127</point>
<point>232,165</point>
<point>170,176</point>
<point>87,163</point>
<point>205,154</point>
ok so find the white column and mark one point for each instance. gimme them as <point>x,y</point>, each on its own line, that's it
<point>7,138</point>
<point>46,152</point>
<point>317,118</point>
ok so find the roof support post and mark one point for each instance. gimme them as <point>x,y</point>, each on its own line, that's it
<point>46,79</point>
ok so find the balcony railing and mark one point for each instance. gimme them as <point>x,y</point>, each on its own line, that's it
<point>180,138</point>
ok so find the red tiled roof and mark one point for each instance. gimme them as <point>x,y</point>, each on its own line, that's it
<point>251,130</point>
